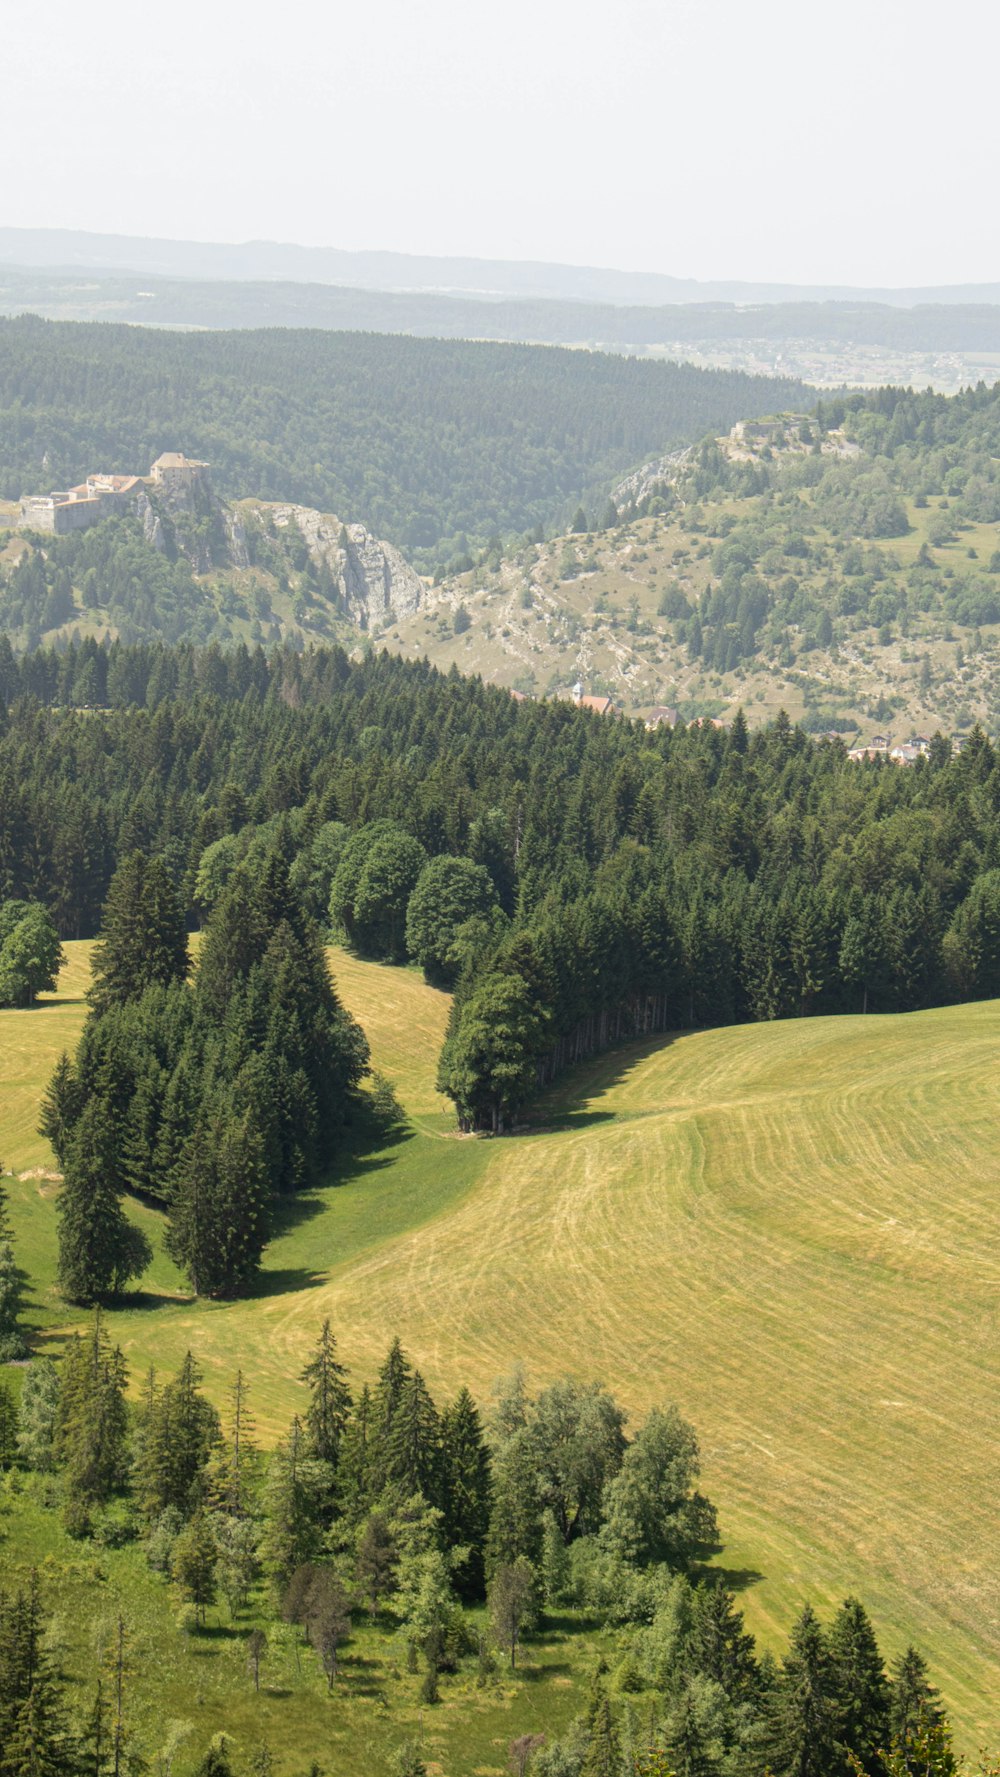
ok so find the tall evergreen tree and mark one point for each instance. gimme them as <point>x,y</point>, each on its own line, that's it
<point>466,1490</point>
<point>805,1723</point>
<point>143,939</point>
<point>220,1208</point>
<point>860,1684</point>
<point>329,1400</point>
<point>91,1432</point>
<point>99,1249</point>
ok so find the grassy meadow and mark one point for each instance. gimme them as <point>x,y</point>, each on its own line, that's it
<point>789,1229</point>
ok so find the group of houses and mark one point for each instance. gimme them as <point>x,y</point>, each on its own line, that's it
<point>74,508</point>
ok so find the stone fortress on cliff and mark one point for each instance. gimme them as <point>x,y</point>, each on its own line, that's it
<point>100,495</point>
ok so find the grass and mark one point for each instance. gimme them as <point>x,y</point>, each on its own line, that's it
<point>789,1229</point>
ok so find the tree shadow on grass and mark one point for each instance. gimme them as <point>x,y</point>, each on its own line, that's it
<point>562,1106</point>
<point>735,1579</point>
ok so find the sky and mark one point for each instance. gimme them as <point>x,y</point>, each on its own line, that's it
<point>854,143</point>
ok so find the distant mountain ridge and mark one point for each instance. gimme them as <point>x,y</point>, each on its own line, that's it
<point>267,261</point>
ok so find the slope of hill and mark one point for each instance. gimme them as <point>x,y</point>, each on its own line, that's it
<point>422,441</point>
<point>796,564</point>
<point>813,1283</point>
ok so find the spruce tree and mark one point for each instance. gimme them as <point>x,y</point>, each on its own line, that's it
<point>194,1561</point>
<point>180,1434</point>
<point>143,939</point>
<point>329,1400</point>
<point>515,1513</point>
<point>91,1432</point>
<point>466,1490</point>
<point>8,1426</point>
<point>220,1208</point>
<point>602,1755</point>
<point>99,1249</point>
<point>412,1444</point>
<point>61,1107</point>
<point>11,1294</point>
<point>913,1700</point>
<point>38,1415</point>
<point>861,1686</point>
<point>805,1718</point>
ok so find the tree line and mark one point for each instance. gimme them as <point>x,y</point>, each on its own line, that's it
<point>575,880</point>
<point>379,1505</point>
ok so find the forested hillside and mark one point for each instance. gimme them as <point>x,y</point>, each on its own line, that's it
<point>844,566</point>
<point>421,440</point>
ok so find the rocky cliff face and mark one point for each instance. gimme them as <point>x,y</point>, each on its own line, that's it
<point>376,584</point>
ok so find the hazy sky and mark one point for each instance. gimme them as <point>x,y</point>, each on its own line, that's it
<point>854,142</point>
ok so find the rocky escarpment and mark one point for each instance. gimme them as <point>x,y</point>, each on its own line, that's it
<point>375,583</point>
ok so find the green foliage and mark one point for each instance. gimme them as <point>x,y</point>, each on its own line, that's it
<point>449,892</point>
<point>30,953</point>
<point>479,438</point>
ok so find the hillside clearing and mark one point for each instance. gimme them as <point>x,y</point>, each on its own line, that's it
<point>790,1229</point>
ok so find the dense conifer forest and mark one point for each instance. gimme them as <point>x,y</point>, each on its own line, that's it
<point>421,440</point>
<point>603,881</point>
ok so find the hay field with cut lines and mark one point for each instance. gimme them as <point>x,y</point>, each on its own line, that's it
<point>789,1229</point>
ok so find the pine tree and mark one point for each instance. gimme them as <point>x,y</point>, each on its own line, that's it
<point>805,1723</point>
<point>194,1562</point>
<point>329,1400</point>
<point>99,1249</point>
<point>412,1444</point>
<point>143,939</point>
<point>602,1755</point>
<point>220,1209</point>
<point>861,1687</point>
<point>38,1414</point>
<point>466,1490</point>
<point>61,1107</point>
<point>8,1426</point>
<point>92,1424</point>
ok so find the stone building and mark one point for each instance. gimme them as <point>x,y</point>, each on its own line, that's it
<point>77,507</point>
<point>177,474</point>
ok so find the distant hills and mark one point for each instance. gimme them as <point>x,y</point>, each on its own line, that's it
<point>484,278</point>
<point>429,443</point>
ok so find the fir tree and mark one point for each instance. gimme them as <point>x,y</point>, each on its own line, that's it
<point>515,1514</point>
<point>861,1686</point>
<point>38,1415</point>
<point>466,1491</point>
<point>92,1425</point>
<point>194,1562</point>
<point>99,1249</point>
<point>220,1209</point>
<point>805,1722</point>
<point>143,939</point>
<point>329,1400</point>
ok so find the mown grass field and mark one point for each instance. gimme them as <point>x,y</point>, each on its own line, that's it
<point>790,1229</point>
